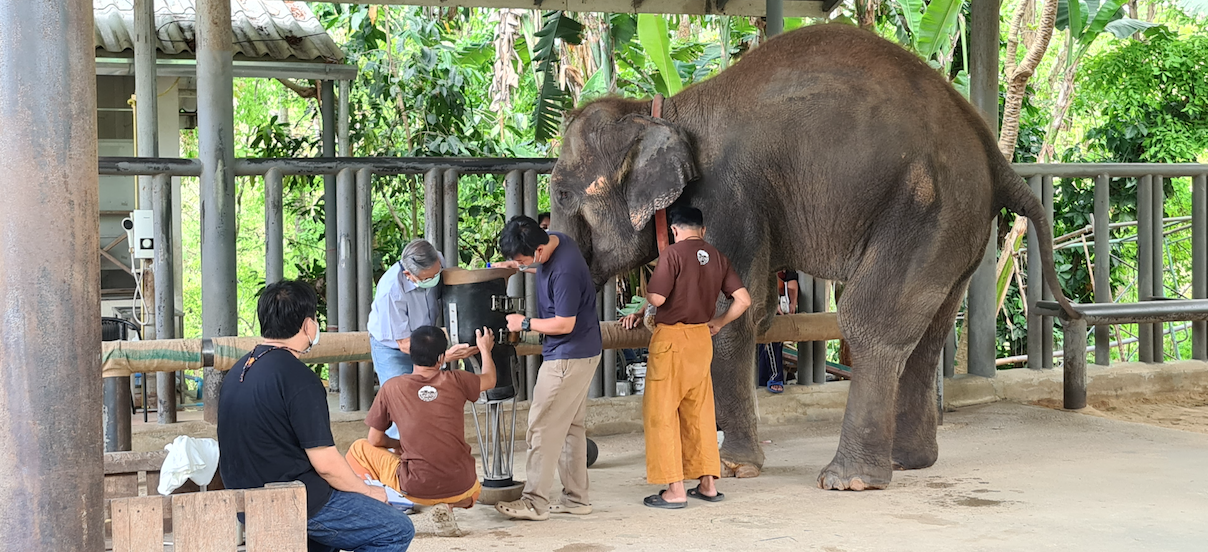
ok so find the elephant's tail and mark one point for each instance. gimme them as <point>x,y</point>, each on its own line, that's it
<point>1012,192</point>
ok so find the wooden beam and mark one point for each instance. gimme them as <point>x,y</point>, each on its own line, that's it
<point>749,8</point>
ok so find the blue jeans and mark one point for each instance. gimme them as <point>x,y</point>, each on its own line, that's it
<point>389,362</point>
<point>355,522</point>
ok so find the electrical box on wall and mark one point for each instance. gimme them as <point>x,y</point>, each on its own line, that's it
<point>142,234</point>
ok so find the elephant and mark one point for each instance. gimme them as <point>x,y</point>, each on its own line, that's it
<point>827,150</point>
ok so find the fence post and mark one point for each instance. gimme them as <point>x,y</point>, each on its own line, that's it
<point>610,355</point>
<point>364,276</point>
<point>805,349</point>
<point>1035,290</point>
<point>165,291</point>
<point>1145,345</point>
<point>821,303</point>
<point>1159,250</point>
<point>1103,265</point>
<point>1199,261</point>
<point>531,207</point>
<point>327,112</point>
<point>1047,326</point>
<point>513,190</point>
<point>274,246</point>
<point>1074,379</point>
<point>434,208</point>
<point>346,252</point>
<point>451,219</point>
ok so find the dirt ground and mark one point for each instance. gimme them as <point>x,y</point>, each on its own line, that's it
<point>1010,477</point>
<point>1185,411</point>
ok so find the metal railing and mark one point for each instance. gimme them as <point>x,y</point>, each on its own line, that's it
<point>1150,251</point>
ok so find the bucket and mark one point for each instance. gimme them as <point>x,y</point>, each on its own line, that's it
<point>637,374</point>
<point>623,388</point>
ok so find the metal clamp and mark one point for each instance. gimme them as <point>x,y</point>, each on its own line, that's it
<point>506,304</point>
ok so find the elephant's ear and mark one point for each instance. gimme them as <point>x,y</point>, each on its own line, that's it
<point>659,164</point>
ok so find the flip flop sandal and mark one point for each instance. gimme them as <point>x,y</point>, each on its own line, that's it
<point>656,501</point>
<point>774,391</point>
<point>695,493</point>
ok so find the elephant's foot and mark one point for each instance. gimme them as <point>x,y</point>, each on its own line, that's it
<point>739,469</point>
<point>848,475</point>
<point>916,459</point>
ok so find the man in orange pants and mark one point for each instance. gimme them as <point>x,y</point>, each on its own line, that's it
<point>677,409</point>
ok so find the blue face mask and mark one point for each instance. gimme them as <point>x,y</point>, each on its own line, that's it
<point>429,283</point>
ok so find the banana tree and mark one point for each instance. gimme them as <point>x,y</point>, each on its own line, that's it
<point>552,100</point>
<point>929,28</point>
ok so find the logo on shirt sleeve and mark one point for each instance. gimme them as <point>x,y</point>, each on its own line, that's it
<point>427,393</point>
<point>702,257</point>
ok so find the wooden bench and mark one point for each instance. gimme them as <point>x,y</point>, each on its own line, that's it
<point>138,518</point>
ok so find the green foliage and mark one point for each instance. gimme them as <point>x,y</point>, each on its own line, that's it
<point>652,34</point>
<point>1148,100</point>
<point>552,100</point>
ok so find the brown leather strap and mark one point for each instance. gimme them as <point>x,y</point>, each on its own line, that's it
<point>660,216</point>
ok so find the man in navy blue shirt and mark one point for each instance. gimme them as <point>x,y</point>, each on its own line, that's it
<point>567,317</point>
<point>273,427</point>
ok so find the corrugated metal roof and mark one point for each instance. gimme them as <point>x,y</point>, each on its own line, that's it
<point>273,29</point>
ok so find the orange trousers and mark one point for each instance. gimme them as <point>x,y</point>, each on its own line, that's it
<point>677,407</point>
<point>382,465</point>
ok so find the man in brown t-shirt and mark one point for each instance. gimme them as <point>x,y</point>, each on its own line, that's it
<point>430,462</point>
<point>677,408</point>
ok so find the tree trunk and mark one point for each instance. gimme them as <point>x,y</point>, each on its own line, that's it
<point>867,13</point>
<point>1064,99</point>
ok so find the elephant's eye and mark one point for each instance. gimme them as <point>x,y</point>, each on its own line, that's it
<point>562,195</point>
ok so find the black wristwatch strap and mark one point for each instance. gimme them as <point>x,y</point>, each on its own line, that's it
<point>527,324</point>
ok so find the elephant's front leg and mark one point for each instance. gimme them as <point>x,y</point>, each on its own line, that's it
<point>734,392</point>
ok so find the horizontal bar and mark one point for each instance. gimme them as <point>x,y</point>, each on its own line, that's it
<point>1173,310</point>
<point>1114,170</point>
<point>122,358</point>
<point>121,166</point>
<point>118,66</point>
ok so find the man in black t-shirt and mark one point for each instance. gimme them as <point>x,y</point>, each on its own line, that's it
<point>273,427</point>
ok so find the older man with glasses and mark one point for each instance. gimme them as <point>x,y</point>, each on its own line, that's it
<point>407,298</point>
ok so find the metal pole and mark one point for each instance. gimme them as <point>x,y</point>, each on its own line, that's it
<point>610,355</point>
<point>1199,261</point>
<point>327,112</point>
<point>434,207</point>
<point>146,105</point>
<point>274,236</point>
<point>1159,250</point>
<point>513,189</point>
<point>950,354</point>
<point>821,302</point>
<point>1047,322</point>
<point>980,320</point>
<point>216,149</point>
<point>51,478</point>
<point>1035,289</point>
<point>774,18</point>
<point>1075,364</point>
<point>343,146</point>
<point>347,315</point>
<point>1145,345</point>
<point>1103,265</point>
<point>364,273</point>
<point>165,291</point>
<point>597,381</point>
<point>805,349</point>
<point>531,199</point>
<point>451,219</point>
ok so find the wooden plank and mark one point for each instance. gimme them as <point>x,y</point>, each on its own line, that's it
<point>204,522</point>
<point>121,485</point>
<point>138,524</point>
<point>129,462</point>
<point>276,518</point>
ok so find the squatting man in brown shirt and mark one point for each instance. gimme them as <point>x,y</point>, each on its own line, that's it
<point>432,465</point>
<point>677,408</point>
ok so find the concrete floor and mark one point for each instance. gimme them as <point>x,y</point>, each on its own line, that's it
<point>1010,477</point>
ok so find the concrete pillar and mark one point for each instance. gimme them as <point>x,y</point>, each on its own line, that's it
<point>513,189</point>
<point>1035,289</point>
<point>531,208</point>
<point>51,480</point>
<point>216,148</point>
<point>610,355</point>
<point>774,18</point>
<point>147,145</point>
<point>1199,261</point>
<point>983,92</point>
<point>451,219</point>
<point>805,349</point>
<point>1158,249</point>
<point>1145,226</point>
<point>434,207</point>
<point>1048,323</point>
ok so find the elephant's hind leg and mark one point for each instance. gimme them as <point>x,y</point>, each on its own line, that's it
<point>914,444</point>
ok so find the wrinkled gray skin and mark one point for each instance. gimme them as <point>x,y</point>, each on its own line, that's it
<point>827,150</point>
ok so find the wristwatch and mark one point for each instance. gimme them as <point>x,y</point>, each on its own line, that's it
<point>526,324</point>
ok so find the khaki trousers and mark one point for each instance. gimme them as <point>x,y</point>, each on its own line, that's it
<point>557,437</point>
<point>677,407</point>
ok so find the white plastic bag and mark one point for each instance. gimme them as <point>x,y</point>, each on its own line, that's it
<point>188,458</point>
